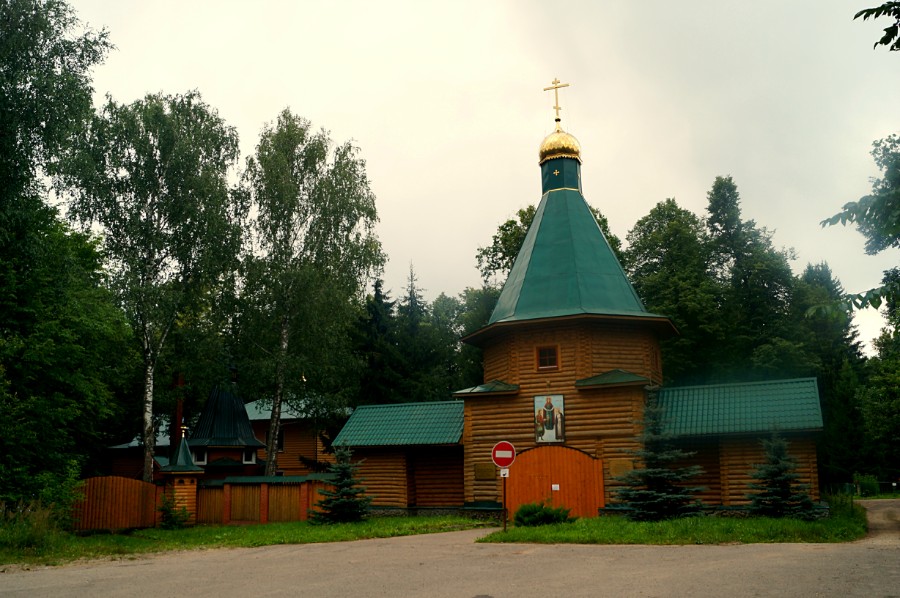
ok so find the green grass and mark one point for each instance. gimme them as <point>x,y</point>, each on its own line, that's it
<point>62,548</point>
<point>845,523</point>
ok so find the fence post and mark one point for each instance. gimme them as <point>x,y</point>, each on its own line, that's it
<point>226,504</point>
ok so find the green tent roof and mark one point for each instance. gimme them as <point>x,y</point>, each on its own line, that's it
<point>566,267</point>
<point>183,461</point>
<point>403,424</point>
<point>783,405</point>
<point>224,422</point>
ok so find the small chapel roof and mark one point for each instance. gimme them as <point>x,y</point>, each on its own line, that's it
<point>224,422</point>
<point>436,422</point>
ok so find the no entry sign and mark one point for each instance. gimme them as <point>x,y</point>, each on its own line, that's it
<point>503,454</point>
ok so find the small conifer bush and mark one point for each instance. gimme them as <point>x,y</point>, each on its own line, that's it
<point>345,502</point>
<point>779,493</point>
<point>658,488</point>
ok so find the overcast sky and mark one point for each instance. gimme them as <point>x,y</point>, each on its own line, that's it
<point>445,101</point>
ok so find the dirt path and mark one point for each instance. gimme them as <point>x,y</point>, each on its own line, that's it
<point>884,521</point>
<point>451,565</point>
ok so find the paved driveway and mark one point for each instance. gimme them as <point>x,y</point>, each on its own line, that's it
<point>452,565</point>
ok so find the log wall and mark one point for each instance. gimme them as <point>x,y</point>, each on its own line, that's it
<point>585,349</point>
<point>738,456</point>
<point>600,421</point>
<point>437,476</point>
<point>384,474</point>
<point>300,439</point>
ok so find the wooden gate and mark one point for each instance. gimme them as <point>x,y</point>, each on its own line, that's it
<point>559,475</point>
<point>113,503</point>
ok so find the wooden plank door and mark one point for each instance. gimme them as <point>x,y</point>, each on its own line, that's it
<point>560,476</point>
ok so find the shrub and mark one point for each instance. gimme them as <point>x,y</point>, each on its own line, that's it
<point>538,513</point>
<point>27,527</point>
<point>866,485</point>
<point>172,517</point>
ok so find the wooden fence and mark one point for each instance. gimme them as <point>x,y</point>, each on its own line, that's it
<point>113,503</point>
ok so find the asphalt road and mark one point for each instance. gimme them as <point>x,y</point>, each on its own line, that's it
<point>453,565</point>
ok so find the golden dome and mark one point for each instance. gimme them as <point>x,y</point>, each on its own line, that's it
<point>559,144</point>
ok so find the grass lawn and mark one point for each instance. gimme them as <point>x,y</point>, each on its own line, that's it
<point>58,548</point>
<point>847,522</point>
<point>46,547</point>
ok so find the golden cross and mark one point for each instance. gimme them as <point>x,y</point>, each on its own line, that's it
<point>556,87</point>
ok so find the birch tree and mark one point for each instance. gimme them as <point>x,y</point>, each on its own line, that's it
<point>152,176</point>
<point>312,254</point>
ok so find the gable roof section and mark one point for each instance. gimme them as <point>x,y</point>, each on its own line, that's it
<point>566,267</point>
<point>782,405</point>
<point>612,378</point>
<point>403,424</point>
<point>262,410</point>
<point>224,422</point>
<point>494,387</point>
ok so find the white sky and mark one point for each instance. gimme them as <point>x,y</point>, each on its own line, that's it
<point>445,101</point>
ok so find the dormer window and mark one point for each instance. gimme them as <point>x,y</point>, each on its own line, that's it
<point>547,358</point>
<point>199,456</point>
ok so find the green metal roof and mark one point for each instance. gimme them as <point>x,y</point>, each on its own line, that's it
<point>224,422</point>
<point>782,405</point>
<point>403,424</point>
<point>612,378</point>
<point>495,387</point>
<point>183,460</point>
<point>262,410</point>
<point>566,267</point>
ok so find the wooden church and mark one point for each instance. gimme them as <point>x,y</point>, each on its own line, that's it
<point>569,355</point>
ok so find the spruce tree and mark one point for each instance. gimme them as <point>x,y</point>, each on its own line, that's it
<point>780,495</point>
<point>658,489</point>
<point>345,503</point>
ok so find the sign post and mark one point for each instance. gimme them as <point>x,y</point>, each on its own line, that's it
<point>504,454</point>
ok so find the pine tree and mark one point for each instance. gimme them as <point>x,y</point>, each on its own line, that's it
<point>658,489</point>
<point>779,493</point>
<point>345,503</point>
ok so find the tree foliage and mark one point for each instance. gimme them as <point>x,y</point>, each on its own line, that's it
<point>891,37</point>
<point>64,346</point>
<point>152,174</point>
<point>879,399</point>
<point>313,250</point>
<point>658,488</point>
<point>877,217</point>
<point>668,261</point>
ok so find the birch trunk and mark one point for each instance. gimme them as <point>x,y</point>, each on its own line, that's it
<point>148,435</point>
<point>275,418</point>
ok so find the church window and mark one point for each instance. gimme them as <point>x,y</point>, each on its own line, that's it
<point>548,358</point>
<point>249,456</point>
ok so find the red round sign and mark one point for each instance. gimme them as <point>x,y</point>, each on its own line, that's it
<point>503,454</point>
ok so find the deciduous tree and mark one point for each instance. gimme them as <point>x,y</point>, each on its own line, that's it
<point>313,252</point>
<point>153,176</point>
<point>877,217</point>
